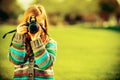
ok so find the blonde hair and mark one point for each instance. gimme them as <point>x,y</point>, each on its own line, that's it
<point>40,13</point>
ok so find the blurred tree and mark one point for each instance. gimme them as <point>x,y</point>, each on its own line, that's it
<point>69,6</point>
<point>9,9</point>
<point>107,7</point>
<point>68,9</point>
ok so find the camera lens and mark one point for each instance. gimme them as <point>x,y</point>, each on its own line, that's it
<point>33,28</point>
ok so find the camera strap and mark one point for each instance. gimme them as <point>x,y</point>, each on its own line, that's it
<point>15,31</point>
<point>44,30</point>
<point>8,33</point>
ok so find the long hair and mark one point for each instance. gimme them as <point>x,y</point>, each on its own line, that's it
<point>39,12</point>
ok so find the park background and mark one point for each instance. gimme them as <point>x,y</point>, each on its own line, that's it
<point>86,31</point>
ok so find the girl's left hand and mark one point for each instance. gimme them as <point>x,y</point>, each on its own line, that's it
<point>37,34</point>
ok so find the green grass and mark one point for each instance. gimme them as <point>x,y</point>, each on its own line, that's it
<point>83,54</point>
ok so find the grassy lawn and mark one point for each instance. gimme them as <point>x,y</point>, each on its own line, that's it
<point>83,54</point>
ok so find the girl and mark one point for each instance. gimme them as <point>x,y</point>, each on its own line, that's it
<point>33,54</point>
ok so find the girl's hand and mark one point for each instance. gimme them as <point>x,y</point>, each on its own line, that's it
<point>21,29</point>
<point>37,34</point>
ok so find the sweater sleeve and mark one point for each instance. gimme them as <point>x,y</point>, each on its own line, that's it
<point>44,54</point>
<point>17,50</point>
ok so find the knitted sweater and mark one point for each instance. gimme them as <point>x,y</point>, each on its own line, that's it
<point>39,66</point>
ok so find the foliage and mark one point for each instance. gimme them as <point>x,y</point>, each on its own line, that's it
<point>9,8</point>
<point>109,6</point>
<point>69,6</point>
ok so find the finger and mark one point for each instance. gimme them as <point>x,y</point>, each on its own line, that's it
<point>21,24</point>
<point>25,27</point>
<point>22,29</point>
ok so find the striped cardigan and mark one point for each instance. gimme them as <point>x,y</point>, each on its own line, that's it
<point>39,66</point>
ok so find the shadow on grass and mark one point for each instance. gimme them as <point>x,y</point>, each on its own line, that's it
<point>117,72</point>
<point>113,28</point>
<point>3,78</point>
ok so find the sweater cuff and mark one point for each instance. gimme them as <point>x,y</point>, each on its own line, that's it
<point>36,43</point>
<point>19,38</point>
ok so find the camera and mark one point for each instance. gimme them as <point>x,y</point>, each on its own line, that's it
<point>32,26</point>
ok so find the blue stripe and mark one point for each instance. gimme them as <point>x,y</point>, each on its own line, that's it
<point>44,56</point>
<point>19,53</point>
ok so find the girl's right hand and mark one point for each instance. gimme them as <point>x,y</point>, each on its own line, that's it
<point>22,29</point>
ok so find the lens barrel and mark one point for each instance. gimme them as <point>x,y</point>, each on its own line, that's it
<point>33,28</point>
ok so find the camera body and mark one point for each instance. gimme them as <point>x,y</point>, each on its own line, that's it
<point>32,26</point>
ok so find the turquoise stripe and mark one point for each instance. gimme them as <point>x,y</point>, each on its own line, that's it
<point>50,44</point>
<point>26,78</point>
<point>44,78</point>
<point>21,78</point>
<point>16,60</point>
<point>19,53</point>
<point>44,56</point>
<point>45,65</point>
